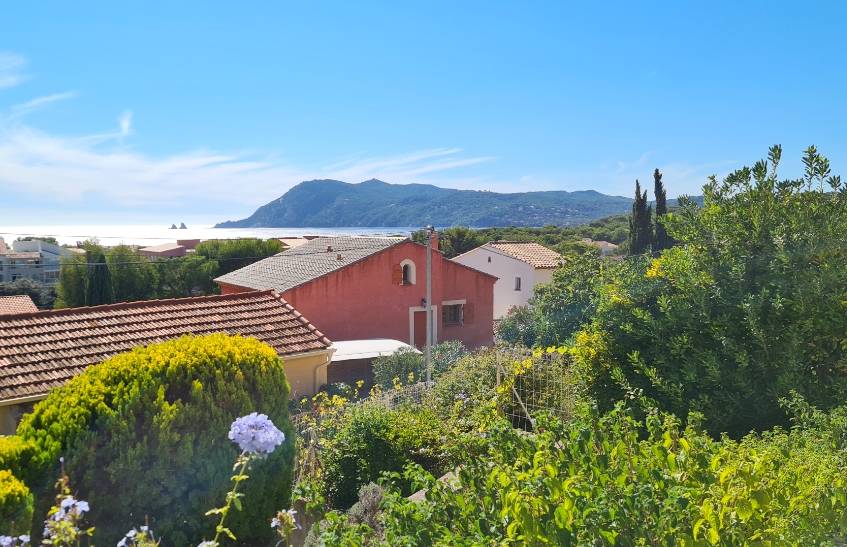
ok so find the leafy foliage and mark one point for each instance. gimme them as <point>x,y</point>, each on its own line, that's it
<point>129,276</point>
<point>16,455</point>
<point>615,480</point>
<point>152,425</point>
<point>16,505</point>
<point>407,366</point>
<point>750,306</point>
<point>232,254</point>
<point>371,439</point>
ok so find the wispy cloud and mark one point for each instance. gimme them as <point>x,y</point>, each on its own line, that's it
<point>22,109</point>
<point>68,169</point>
<point>11,69</point>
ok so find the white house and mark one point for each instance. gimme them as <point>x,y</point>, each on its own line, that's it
<point>519,267</point>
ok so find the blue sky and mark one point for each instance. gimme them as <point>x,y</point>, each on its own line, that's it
<point>134,111</point>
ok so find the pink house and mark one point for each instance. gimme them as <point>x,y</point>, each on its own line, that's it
<point>362,288</point>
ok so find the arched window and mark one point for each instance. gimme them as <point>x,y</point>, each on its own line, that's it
<point>408,272</point>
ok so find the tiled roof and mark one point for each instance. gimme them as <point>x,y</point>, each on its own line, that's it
<point>309,261</point>
<point>40,351</point>
<point>534,254</point>
<point>16,304</point>
<point>163,247</point>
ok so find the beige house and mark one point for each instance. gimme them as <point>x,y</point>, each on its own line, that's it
<point>42,350</point>
<point>519,267</point>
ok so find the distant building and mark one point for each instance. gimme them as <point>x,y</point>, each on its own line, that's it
<point>606,248</point>
<point>42,350</point>
<point>519,267</point>
<point>32,259</point>
<point>356,288</point>
<point>189,244</point>
<point>165,250</point>
<point>22,303</point>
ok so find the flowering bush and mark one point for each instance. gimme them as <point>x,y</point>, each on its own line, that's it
<point>16,505</point>
<point>152,425</point>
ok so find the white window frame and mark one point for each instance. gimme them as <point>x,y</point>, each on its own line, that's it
<point>413,278</point>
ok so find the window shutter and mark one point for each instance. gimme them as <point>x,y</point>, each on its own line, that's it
<point>397,275</point>
<point>468,313</point>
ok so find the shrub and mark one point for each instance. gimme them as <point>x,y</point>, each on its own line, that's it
<point>407,365</point>
<point>17,455</point>
<point>619,481</point>
<point>145,434</point>
<point>16,505</point>
<point>749,306</point>
<point>371,440</point>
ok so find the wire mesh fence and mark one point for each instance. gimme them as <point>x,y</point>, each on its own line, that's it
<point>530,382</point>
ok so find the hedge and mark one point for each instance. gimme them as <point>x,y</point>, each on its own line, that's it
<point>144,435</point>
<point>16,503</point>
<point>16,455</point>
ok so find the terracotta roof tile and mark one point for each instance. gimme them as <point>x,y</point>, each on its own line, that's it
<point>532,253</point>
<point>42,350</point>
<point>16,304</point>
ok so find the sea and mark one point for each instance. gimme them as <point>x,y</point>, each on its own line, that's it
<point>156,234</point>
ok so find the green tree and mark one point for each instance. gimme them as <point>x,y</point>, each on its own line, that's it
<point>232,254</point>
<point>98,280</point>
<point>748,306</point>
<point>133,276</point>
<point>662,240</point>
<point>457,240</point>
<point>640,223</point>
<point>186,276</point>
<point>70,290</point>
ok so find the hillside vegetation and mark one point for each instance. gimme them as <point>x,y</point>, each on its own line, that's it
<point>330,203</point>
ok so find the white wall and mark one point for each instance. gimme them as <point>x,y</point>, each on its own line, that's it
<point>506,269</point>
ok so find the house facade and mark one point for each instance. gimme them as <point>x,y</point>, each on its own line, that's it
<point>42,350</point>
<point>519,267</point>
<point>365,288</point>
<point>33,259</point>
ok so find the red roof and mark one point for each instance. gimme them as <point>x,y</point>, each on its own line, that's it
<point>21,303</point>
<point>42,350</point>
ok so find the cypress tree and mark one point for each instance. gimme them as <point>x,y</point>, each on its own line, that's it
<point>98,280</point>
<point>640,225</point>
<point>662,239</point>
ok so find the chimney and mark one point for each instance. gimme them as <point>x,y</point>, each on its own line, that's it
<point>434,240</point>
<point>329,248</point>
<point>338,257</point>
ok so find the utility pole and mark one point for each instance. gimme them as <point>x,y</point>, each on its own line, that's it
<point>428,355</point>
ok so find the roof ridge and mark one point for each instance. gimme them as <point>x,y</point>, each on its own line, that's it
<point>135,304</point>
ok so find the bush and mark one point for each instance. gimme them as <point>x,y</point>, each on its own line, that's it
<point>145,434</point>
<point>371,440</point>
<point>407,365</point>
<point>615,480</point>
<point>16,505</point>
<point>748,307</point>
<point>17,456</point>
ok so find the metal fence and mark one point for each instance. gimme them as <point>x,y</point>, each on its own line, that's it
<point>530,382</point>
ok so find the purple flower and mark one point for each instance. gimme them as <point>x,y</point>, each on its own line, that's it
<point>275,523</point>
<point>7,541</point>
<point>256,434</point>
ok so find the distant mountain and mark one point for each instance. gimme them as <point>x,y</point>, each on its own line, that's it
<point>373,203</point>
